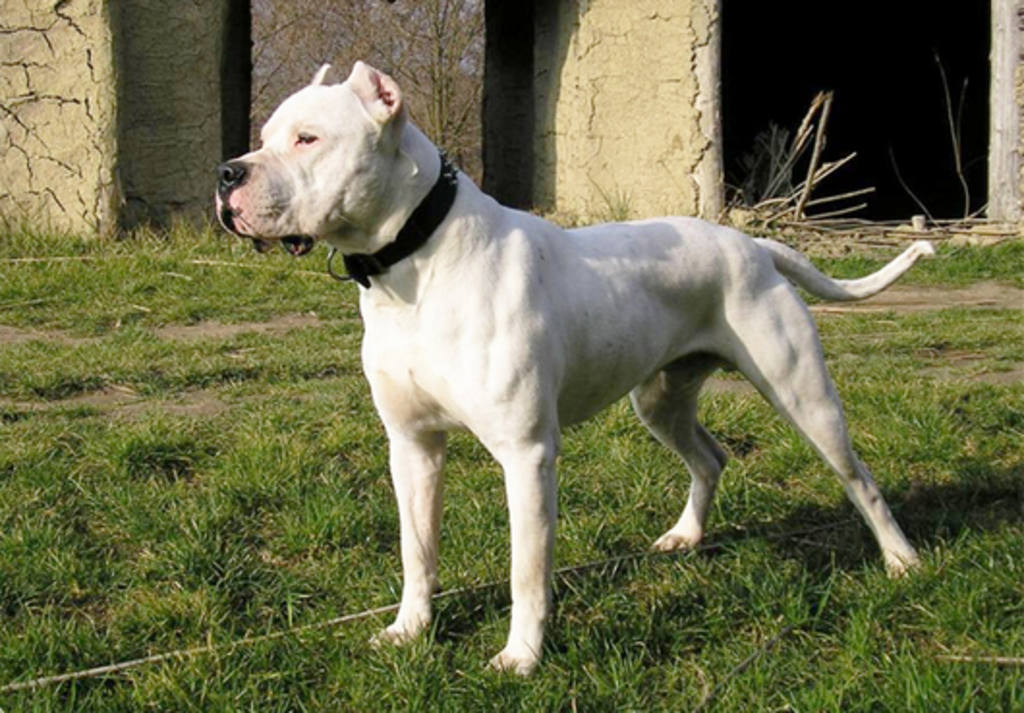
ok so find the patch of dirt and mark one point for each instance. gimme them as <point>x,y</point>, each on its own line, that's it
<point>950,356</point>
<point>953,372</point>
<point>195,404</point>
<point>950,365</point>
<point>174,332</point>
<point>122,401</point>
<point>13,335</point>
<point>17,335</point>
<point>108,397</point>
<point>958,365</point>
<point>910,298</point>
<point>1001,378</point>
<point>736,387</point>
<point>217,330</point>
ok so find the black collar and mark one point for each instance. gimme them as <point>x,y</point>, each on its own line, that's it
<point>417,230</point>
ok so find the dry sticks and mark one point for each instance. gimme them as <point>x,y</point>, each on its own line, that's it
<point>819,144</point>
<point>792,205</point>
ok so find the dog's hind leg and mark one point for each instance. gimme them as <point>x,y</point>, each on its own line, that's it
<point>776,346</point>
<point>667,406</point>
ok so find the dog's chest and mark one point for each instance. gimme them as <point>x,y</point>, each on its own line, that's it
<point>415,368</point>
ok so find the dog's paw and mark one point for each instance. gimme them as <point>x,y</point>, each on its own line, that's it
<point>519,664</point>
<point>673,541</point>
<point>396,635</point>
<point>897,566</point>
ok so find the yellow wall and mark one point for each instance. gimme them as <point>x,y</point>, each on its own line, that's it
<point>111,111</point>
<point>619,127</point>
<point>57,128</point>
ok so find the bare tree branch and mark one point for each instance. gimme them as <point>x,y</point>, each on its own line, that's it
<point>954,133</point>
<point>433,48</point>
<point>899,177</point>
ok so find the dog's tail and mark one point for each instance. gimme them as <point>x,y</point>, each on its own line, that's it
<point>799,269</point>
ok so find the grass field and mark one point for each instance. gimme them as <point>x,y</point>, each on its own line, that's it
<point>189,456</point>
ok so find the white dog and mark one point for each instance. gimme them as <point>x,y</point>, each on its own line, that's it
<point>496,321</point>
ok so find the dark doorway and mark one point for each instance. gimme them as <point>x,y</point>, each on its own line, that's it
<point>880,59</point>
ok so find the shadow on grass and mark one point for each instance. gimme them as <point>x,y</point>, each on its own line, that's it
<point>983,498</point>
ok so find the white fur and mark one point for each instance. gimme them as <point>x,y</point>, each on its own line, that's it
<point>513,328</point>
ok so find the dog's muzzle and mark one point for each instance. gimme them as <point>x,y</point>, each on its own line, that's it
<point>231,175</point>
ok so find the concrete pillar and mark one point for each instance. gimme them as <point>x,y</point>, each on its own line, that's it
<point>1006,98</point>
<point>58,114</point>
<point>628,108</point>
<point>116,113</point>
<point>625,107</point>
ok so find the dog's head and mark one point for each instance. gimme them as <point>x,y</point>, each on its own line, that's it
<point>326,160</point>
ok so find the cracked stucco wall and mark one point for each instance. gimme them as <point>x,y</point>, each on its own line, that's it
<point>1017,211</point>
<point>111,111</point>
<point>627,117</point>
<point>57,129</point>
<point>1006,112</point>
<point>1019,96</point>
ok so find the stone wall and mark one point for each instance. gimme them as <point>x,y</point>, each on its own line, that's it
<point>116,113</point>
<point>58,123</point>
<point>626,113</point>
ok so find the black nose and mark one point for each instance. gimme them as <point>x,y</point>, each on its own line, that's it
<point>231,174</point>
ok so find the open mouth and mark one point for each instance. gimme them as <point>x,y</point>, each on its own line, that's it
<point>226,215</point>
<point>298,245</point>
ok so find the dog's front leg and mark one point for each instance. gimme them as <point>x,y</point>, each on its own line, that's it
<point>530,487</point>
<point>416,464</point>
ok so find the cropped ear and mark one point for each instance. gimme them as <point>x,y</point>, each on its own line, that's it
<point>379,93</point>
<point>318,78</point>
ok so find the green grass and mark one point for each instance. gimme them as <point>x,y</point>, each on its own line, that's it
<point>238,486</point>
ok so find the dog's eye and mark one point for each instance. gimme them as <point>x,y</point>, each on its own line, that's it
<point>305,139</point>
